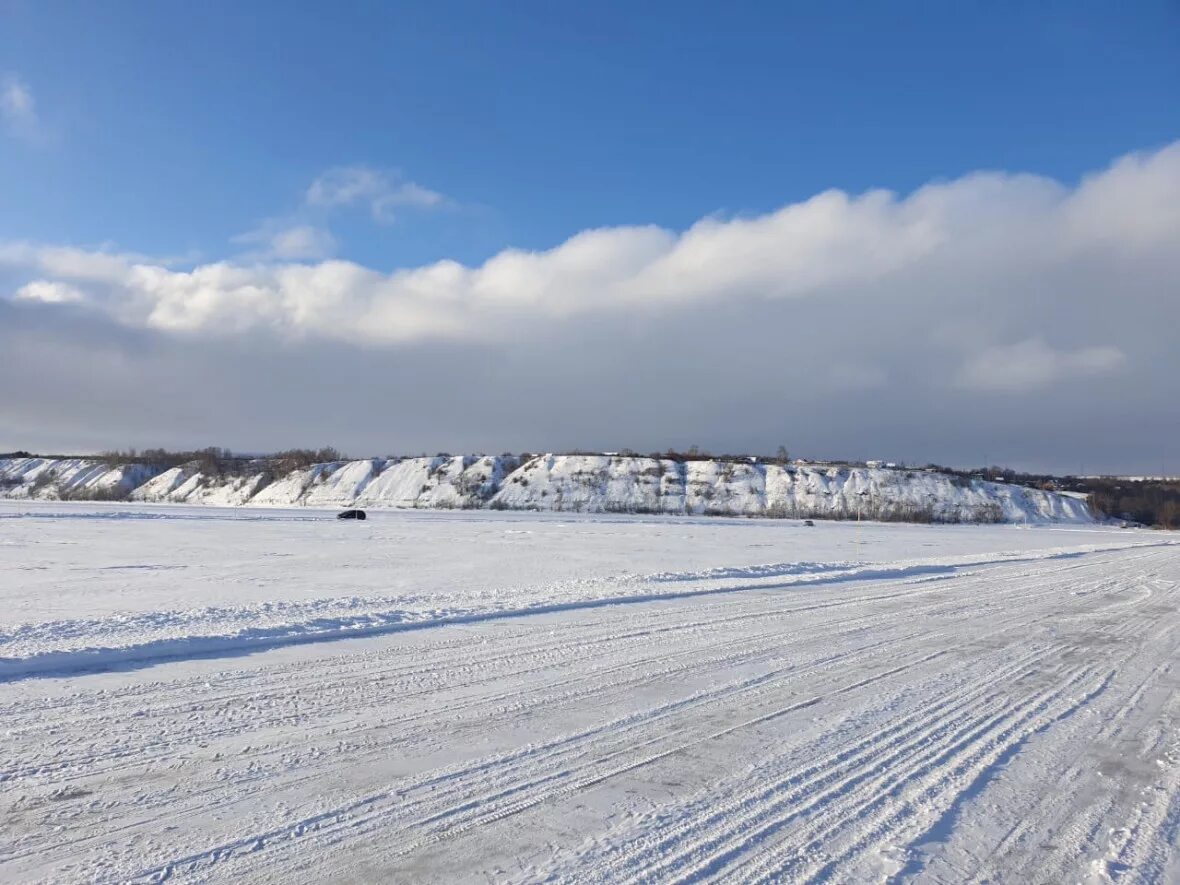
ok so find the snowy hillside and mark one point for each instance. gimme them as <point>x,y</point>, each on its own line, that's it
<point>69,478</point>
<point>561,483</point>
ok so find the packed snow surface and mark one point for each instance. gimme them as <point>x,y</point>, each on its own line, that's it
<point>270,695</point>
<point>560,483</point>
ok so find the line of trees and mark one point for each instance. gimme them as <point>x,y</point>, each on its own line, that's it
<point>1151,502</point>
<point>215,461</point>
<point>1146,501</point>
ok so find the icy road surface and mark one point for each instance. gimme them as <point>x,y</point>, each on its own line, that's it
<point>215,695</point>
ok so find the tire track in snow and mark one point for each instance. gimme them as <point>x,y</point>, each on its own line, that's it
<point>769,647</point>
<point>727,823</point>
<point>322,822</point>
<point>331,820</point>
<point>722,813</point>
<point>1077,808</point>
<point>940,779</point>
<point>288,686</point>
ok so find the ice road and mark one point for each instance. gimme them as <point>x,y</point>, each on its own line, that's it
<point>207,694</point>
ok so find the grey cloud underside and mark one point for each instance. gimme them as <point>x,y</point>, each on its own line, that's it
<point>1005,318</point>
<point>747,380</point>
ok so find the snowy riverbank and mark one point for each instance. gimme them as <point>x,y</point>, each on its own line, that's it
<point>561,484</point>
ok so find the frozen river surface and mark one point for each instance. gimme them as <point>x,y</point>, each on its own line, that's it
<point>207,694</point>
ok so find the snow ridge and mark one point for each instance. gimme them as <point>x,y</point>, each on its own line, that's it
<point>131,640</point>
<point>562,483</point>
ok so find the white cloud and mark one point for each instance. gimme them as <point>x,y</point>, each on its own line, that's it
<point>49,292</point>
<point>1033,365</point>
<point>297,242</point>
<point>384,193</point>
<point>1015,257</point>
<point>18,109</point>
<point>844,325</point>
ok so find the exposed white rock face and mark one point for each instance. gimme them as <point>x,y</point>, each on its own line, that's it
<point>186,485</point>
<point>51,479</point>
<point>563,483</point>
<point>735,488</point>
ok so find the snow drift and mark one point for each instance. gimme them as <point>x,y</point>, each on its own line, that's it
<point>562,483</point>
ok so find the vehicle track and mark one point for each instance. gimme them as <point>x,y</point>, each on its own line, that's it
<point>776,732</point>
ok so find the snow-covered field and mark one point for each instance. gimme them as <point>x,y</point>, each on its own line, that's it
<point>272,695</point>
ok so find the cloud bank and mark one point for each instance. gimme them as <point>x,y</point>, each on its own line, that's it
<point>860,317</point>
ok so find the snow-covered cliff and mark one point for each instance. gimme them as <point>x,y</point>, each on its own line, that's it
<point>566,483</point>
<point>740,488</point>
<point>69,479</point>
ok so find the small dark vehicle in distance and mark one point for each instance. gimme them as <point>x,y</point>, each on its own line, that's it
<point>808,522</point>
<point>351,514</point>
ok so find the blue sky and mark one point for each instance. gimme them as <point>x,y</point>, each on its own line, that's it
<point>172,127</point>
<point>917,231</point>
